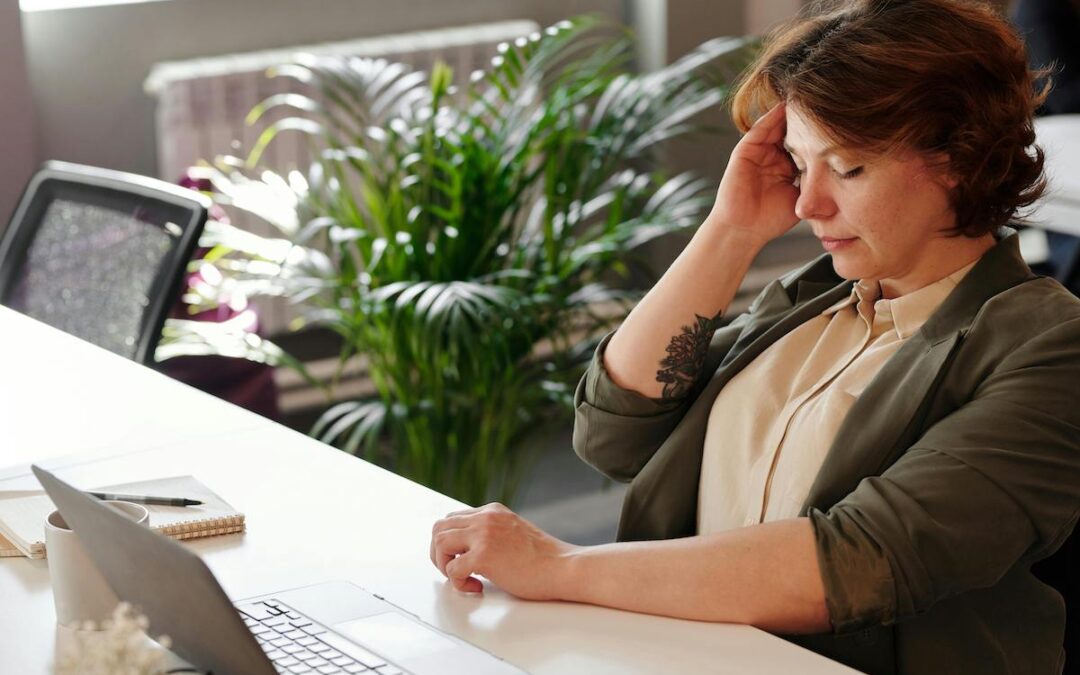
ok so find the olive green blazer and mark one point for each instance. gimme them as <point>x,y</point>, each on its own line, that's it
<point>955,470</point>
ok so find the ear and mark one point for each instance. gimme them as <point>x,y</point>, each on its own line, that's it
<point>949,179</point>
<point>940,166</point>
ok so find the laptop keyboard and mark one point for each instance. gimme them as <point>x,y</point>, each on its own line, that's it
<point>297,645</point>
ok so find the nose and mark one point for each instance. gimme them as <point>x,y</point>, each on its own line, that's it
<point>815,198</point>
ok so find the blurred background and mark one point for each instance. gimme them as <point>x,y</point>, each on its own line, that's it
<point>151,87</point>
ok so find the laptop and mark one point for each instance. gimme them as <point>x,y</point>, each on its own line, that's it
<point>333,627</point>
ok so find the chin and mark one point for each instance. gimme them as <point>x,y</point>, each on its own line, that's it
<point>849,267</point>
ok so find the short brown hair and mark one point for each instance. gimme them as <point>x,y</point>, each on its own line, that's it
<point>938,77</point>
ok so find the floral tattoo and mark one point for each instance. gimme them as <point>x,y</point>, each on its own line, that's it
<point>686,357</point>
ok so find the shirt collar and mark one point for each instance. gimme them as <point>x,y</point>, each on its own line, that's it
<point>908,312</point>
<point>861,290</point>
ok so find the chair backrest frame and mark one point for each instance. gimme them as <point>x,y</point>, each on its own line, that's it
<point>186,208</point>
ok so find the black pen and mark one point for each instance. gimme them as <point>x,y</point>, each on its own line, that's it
<point>143,499</point>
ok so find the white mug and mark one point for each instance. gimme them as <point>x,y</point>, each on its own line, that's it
<point>80,592</point>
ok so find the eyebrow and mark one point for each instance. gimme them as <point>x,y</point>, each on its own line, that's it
<point>836,150</point>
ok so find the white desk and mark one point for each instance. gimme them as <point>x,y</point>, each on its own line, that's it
<point>1059,209</point>
<point>314,514</point>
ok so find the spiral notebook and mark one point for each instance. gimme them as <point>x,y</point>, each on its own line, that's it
<point>22,518</point>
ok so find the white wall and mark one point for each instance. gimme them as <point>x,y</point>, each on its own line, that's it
<point>18,157</point>
<point>87,66</point>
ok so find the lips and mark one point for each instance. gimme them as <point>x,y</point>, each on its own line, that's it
<point>836,243</point>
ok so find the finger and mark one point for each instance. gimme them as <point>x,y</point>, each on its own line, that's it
<point>770,127</point>
<point>459,572</point>
<point>449,544</point>
<point>462,512</point>
<point>454,522</point>
<point>451,522</point>
<point>763,144</point>
<point>770,114</point>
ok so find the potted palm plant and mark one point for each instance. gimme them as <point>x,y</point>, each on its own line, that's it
<point>467,241</point>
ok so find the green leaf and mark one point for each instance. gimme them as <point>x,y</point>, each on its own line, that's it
<point>464,239</point>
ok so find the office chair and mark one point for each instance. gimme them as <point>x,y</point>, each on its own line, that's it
<point>100,254</point>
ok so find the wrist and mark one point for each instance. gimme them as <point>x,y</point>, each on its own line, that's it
<point>568,575</point>
<point>733,236</point>
<point>738,246</point>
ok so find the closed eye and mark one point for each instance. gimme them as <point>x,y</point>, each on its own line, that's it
<point>799,172</point>
<point>797,178</point>
<point>850,174</point>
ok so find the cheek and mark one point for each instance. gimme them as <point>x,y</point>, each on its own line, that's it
<point>879,218</point>
<point>873,223</point>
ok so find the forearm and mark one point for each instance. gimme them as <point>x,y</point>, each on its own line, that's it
<point>766,575</point>
<point>693,292</point>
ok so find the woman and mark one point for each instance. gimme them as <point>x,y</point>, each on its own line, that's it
<point>868,460</point>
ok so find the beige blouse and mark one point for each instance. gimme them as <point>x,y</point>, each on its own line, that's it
<point>773,423</point>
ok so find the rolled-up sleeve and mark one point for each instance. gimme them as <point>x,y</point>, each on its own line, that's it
<point>988,486</point>
<point>617,430</point>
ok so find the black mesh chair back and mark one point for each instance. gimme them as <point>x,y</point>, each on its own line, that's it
<point>100,254</point>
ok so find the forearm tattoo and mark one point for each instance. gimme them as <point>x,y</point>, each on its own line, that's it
<point>686,357</point>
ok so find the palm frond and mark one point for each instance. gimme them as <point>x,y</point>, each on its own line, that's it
<point>465,238</point>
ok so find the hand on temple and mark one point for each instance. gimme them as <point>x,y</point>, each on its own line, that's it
<point>756,197</point>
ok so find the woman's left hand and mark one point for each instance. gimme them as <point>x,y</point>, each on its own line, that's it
<point>494,542</point>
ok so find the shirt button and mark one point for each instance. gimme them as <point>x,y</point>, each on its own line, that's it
<point>751,521</point>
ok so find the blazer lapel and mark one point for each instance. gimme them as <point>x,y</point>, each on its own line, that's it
<point>771,323</point>
<point>890,415</point>
<point>805,290</point>
<point>884,420</point>
<point>662,500</point>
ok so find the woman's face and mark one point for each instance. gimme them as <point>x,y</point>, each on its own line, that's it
<point>880,217</point>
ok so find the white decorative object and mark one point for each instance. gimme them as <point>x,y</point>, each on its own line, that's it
<point>117,646</point>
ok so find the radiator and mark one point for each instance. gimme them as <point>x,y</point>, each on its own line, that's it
<point>202,103</point>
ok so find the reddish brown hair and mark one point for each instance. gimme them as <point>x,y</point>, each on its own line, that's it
<point>938,77</point>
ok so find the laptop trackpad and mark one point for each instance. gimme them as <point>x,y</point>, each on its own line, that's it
<point>395,637</point>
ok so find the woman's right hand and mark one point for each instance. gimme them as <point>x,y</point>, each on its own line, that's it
<point>757,195</point>
<point>671,326</point>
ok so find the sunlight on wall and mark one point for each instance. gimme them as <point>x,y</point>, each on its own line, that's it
<point>43,5</point>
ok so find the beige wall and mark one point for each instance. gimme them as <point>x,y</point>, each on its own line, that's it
<point>88,65</point>
<point>691,22</point>
<point>763,14</point>
<point>18,157</point>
